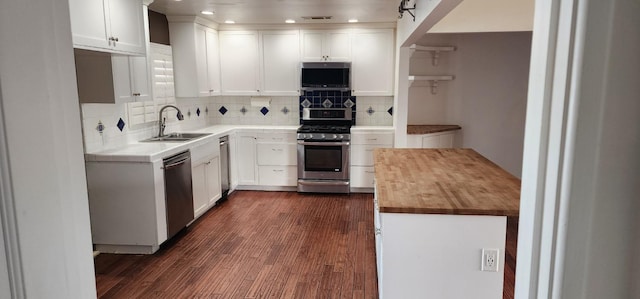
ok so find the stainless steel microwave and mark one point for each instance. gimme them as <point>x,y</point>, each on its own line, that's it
<point>325,76</point>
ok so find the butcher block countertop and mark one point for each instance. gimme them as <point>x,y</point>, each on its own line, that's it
<point>443,181</point>
<point>428,129</point>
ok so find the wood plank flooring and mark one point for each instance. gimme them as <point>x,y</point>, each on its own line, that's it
<point>262,245</point>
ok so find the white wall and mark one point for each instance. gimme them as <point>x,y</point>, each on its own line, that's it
<point>44,150</point>
<point>487,16</point>
<point>487,97</point>
<point>603,207</point>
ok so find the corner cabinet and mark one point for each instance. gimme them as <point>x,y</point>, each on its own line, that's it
<point>326,45</point>
<point>196,59</point>
<point>372,62</point>
<point>115,26</point>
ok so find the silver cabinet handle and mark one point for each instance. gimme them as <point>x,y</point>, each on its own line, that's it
<point>369,171</point>
<point>278,170</point>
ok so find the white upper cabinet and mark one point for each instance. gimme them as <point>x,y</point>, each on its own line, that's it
<point>239,64</point>
<point>196,60</point>
<point>372,62</point>
<point>280,61</point>
<point>213,61</point>
<point>326,45</point>
<point>108,25</point>
<point>106,78</point>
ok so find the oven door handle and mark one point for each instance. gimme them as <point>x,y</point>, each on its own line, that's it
<point>302,142</point>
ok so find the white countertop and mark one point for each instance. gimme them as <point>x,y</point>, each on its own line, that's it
<point>146,152</point>
<point>152,151</point>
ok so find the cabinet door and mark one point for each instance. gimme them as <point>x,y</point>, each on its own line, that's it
<point>212,174</point>
<point>88,23</point>
<point>246,159</point>
<point>239,62</point>
<point>337,45</point>
<point>431,141</point>
<point>326,45</point>
<point>213,62</point>
<point>311,43</point>
<point>126,23</point>
<point>201,61</point>
<point>280,59</point>
<point>199,184</point>
<point>372,66</point>
<point>123,90</point>
<point>140,78</point>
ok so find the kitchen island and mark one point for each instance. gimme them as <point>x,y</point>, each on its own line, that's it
<point>435,212</point>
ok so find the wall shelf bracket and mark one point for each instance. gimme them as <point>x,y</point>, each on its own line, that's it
<point>433,81</point>
<point>435,51</point>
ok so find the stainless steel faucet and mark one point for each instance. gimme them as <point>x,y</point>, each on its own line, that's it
<point>161,120</point>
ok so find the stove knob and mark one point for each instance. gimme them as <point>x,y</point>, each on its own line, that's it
<point>334,137</point>
<point>340,137</point>
<point>323,136</point>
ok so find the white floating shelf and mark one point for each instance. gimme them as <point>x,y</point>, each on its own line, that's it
<point>428,81</point>
<point>435,51</point>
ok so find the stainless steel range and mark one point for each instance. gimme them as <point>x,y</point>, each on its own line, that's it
<point>323,150</point>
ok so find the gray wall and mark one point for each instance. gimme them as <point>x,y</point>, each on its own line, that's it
<point>487,97</point>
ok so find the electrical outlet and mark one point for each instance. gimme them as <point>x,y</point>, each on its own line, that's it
<point>490,260</point>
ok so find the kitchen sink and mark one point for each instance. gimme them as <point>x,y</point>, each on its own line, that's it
<point>176,137</point>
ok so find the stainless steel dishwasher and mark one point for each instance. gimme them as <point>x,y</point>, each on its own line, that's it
<point>224,166</point>
<point>178,192</point>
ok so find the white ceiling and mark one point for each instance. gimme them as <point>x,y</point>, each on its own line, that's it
<point>277,11</point>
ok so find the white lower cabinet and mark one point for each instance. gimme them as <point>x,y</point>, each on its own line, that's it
<point>264,159</point>
<point>363,143</point>
<point>433,140</point>
<point>278,175</point>
<point>246,158</point>
<point>277,159</point>
<point>205,176</point>
<point>127,206</point>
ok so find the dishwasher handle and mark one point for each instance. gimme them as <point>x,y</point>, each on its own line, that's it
<point>176,160</point>
<point>176,163</point>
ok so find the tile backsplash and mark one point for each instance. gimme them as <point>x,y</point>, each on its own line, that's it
<point>202,112</point>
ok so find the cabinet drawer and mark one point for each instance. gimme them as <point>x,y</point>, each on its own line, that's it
<point>277,154</point>
<point>362,155</point>
<point>278,175</point>
<point>372,138</point>
<point>285,137</point>
<point>362,177</point>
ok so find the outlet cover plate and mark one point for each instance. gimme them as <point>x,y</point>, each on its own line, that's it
<point>490,260</point>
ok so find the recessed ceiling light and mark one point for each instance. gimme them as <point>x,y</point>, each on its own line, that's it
<point>206,12</point>
<point>353,20</point>
<point>229,22</point>
<point>290,21</point>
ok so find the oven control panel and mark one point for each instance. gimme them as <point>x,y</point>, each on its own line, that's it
<point>324,136</point>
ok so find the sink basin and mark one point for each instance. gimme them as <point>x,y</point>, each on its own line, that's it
<point>176,137</point>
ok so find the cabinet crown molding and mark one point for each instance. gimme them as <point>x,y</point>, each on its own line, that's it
<point>193,19</point>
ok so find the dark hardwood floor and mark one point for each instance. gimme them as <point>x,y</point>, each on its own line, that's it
<point>264,245</point>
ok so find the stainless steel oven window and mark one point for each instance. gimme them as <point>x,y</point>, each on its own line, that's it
<point>323,158</point>
<point>321,163</point>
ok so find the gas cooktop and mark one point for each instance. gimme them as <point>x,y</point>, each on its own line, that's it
<point>333,129</point>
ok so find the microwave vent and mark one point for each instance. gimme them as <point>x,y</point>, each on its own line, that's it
<point>317,18</point>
